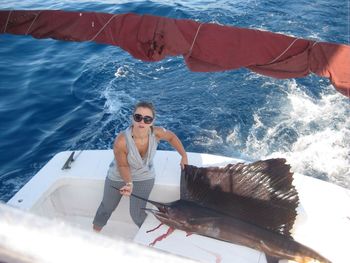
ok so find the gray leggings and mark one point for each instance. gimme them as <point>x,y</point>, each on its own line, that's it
<point>111,199</point>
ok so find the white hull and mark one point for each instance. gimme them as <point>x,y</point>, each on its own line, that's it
<point>73,196</point>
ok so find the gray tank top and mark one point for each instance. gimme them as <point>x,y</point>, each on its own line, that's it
<point>141,169</point>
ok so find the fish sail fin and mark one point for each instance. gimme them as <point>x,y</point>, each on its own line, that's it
<point>261,192</point>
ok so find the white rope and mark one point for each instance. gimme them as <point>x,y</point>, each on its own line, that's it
<point>315,43</point>
<point>36,16</point>
<point>295,40</point>
<point>92,39</point>
<point>7,21</point>
<point>194,40</point>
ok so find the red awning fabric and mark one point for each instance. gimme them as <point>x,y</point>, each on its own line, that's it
<point>205,46</point>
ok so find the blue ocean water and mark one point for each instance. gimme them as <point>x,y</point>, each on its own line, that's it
<point>57,96</point>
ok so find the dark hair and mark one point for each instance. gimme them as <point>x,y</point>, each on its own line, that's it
<point>144,104</point>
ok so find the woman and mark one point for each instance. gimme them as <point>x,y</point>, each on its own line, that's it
<point>132,169</point>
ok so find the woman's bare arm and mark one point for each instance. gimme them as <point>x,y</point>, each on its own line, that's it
<point>169,136</point>
<point>120,155</point>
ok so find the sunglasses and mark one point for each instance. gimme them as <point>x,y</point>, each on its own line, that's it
<point>139,118</point>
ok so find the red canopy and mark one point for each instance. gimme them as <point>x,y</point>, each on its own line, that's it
<point>204,46</point>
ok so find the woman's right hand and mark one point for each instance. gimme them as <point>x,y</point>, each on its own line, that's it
<point>126,190</point>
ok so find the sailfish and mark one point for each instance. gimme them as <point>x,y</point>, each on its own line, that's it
<point>253,205</point>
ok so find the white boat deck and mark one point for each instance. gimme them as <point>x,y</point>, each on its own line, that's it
<point>73,196</point>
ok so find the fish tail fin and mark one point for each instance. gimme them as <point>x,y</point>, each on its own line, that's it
<point>309,260</point>
<point>309,256</point>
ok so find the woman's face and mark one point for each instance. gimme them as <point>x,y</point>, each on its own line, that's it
<point>143,118</point>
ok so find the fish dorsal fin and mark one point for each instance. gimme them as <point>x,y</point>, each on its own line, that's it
<point>261,192</point>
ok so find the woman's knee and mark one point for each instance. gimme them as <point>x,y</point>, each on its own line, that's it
<point>138,216</point>
<point>102,215</point>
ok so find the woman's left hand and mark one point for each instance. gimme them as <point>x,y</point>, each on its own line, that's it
<point>184,161</point>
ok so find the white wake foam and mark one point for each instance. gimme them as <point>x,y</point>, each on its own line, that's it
<point>312,134</point>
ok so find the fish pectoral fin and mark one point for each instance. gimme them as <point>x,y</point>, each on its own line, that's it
<point>271,259</point>
<point>153,229</point>
<point>161,237</point>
